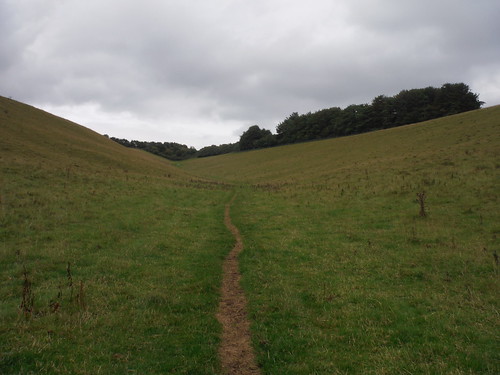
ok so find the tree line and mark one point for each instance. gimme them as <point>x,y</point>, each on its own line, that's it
<point>169,150</point>
<point>406,107</point>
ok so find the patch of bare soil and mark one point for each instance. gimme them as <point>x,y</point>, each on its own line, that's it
<point>235,352</point>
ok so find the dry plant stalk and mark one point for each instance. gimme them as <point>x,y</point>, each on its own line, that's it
<point>80,297</point>
<point>421,200</point>
<point>70,280</point>
<point>28,297</point>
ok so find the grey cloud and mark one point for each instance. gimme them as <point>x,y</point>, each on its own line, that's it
<point>194,68</point>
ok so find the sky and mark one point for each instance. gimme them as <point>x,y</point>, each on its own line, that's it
<point>201,72</point>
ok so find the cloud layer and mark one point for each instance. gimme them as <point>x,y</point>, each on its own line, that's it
<point>201,72</point>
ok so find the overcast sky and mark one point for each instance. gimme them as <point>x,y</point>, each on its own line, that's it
<point>200,72</point>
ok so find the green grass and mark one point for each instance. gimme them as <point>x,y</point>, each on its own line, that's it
<point>337,288</point>
<point>150,267</point>
<point>343,275</point>
<point>144,242</point>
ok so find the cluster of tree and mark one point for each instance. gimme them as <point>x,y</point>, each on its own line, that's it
<point>218,150</point>
<point>176,151</point>
<point>256,137</point>
<point>169,150</point>
<point>409,106</point>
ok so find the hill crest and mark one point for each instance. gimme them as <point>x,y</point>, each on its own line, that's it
<point>31,136</point>
<point>479,129</point>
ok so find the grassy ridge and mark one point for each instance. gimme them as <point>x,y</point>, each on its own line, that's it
<point>116,254</point>
<point>34,138</point>
<point>344,276</point>
<point>313,162</point>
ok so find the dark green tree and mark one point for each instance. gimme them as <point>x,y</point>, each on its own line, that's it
<point>455,98</point>
<point>256,137</point>
<point>380,114</point>
<point>218,150</point>
<point>354,119</point>
<point>289,131</point>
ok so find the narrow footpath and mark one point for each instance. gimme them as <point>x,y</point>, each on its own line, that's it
<point>235,352</point>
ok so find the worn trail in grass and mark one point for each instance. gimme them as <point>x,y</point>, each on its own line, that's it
<point>236,353</point>
<point>341,273</point>
<point>116,254</point>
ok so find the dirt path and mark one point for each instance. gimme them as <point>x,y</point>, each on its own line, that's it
<point>235,352</point>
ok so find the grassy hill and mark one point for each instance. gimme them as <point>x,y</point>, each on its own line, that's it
<point>475,132</point>
<point>34,138</point>
<point>342,273</point>
<point>110,258</point>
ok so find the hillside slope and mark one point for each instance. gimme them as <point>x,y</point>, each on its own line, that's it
<point>109,256</point>
<point>32,137</point>
<point>373,254</point>
<point>475,131</point>
<point>113,258</point>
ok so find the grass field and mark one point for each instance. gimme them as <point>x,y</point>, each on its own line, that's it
<point>110,259</point>
<point>342,273</point>
<point>116,255</point>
